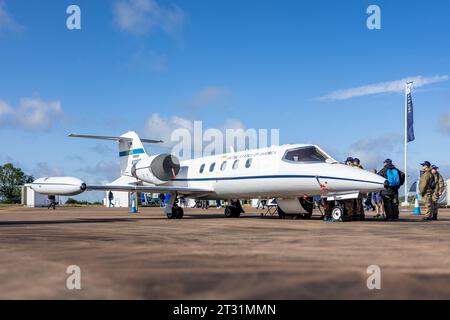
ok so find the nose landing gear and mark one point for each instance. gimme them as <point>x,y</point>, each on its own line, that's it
<point>346,210</point>
<point>338,213</point>
<point>172,210</point>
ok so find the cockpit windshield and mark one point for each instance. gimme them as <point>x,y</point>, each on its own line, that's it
<point>305,154</point>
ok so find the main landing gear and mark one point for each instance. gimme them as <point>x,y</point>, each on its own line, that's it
<point>172,210</point>
<point>234,209</point>
<point>176,213</point>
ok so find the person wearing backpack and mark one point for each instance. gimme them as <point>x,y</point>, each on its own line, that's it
<point>427,185</point>
<point>394,180</point>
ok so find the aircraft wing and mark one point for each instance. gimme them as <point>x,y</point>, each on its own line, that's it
<point>153,189</point>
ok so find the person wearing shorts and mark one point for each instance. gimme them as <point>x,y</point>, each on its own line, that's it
<point>377,201</point>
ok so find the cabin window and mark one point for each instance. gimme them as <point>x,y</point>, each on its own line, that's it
<point>235,164</point>
<point>202,167</point>
<point>223,166</point>
<point>248,163</point>
<point>211,167</point>
<point>305,154</point>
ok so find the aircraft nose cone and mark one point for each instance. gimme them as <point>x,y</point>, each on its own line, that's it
<point>373,181</point>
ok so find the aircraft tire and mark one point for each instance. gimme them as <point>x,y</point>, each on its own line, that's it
<point>232,212</point>
<point>179,213</point>
<point>228,212</point>
<point>338,213</point>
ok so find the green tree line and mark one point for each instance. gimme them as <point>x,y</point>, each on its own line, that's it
<point>11,180</point>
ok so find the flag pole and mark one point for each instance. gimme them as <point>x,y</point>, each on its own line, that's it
<point>405,202</point>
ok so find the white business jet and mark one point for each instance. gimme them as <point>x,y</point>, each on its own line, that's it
<point>290,173</point>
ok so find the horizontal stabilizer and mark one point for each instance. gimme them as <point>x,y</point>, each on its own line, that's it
<point>111,138</point>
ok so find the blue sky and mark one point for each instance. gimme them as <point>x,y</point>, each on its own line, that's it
<point>251,64</point>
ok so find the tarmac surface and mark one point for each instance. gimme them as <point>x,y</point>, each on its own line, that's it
<point>207,256</point>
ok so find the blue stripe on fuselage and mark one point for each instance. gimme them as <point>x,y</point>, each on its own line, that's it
<point>276,177</point>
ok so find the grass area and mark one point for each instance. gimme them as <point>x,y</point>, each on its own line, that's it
<point>76,205</point>
<point>4,205</point>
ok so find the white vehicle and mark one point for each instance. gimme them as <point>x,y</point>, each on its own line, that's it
<point>289,173</point>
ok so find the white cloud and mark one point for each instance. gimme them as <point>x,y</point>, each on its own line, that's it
<point>103,171</point>
<point>382,87</point>
<point>210,96</point>
<point>233,124</point>
<point>7,22</point>
<point>444,123</point>
<point>42,169</point>
<point>157,127</point>
<point>103,149</point>
<point>373,151</point>
<point>4,109</point>
<point>142,16</point>
<point>31,113</point>
<point>198,137</point>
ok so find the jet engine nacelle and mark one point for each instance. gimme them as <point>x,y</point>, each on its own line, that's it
<point>157,169</point>
<point>63,186</point>
<point>295,206</point>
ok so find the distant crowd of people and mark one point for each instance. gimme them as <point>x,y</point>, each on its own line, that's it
<point>386,202</point>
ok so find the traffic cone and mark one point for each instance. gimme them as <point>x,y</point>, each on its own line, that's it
<point>133,204</point>
<point>417,207</point>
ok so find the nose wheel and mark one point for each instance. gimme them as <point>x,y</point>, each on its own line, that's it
<point>337,213</point>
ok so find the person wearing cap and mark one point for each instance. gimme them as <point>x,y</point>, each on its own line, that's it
<point>427,185</point>
<point>349,161</point>
<point>358,203</point>
<point>352,204</point>
<point>357,163</point>
<point>394,180</point>
<point>438,190</point>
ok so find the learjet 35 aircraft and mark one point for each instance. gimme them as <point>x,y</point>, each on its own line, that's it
<point>289,173</point>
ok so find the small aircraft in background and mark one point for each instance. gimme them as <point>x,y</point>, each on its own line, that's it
<point>291,174</point>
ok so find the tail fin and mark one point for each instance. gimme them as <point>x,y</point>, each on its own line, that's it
<point>131,148</point>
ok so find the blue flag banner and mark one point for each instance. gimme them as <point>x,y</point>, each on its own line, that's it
<point>409,115</point>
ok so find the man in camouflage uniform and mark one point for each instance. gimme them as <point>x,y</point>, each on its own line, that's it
<point>438,191</point>
<point>426,189</point>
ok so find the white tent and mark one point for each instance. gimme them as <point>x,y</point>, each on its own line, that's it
<point>121,199</point>
<point>33,199</point>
